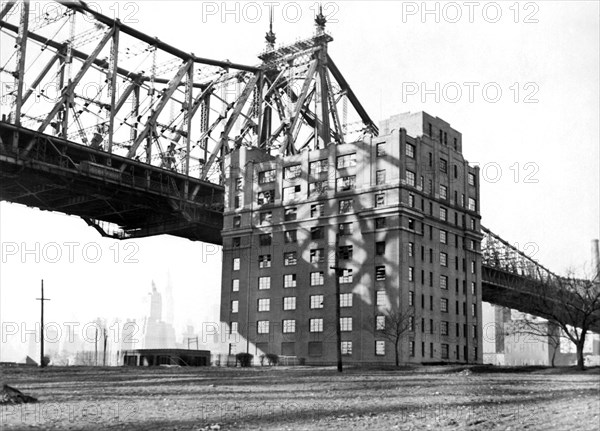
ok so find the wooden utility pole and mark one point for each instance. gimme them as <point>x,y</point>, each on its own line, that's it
<point>42,299</point>
<point>338,330</point>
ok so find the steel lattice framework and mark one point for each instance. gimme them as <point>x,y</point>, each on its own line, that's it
<point>89,79</point>
<point>128,132</point>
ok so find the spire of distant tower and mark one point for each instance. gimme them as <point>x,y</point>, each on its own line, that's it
<point>270,36</point>
<point>320,21</point>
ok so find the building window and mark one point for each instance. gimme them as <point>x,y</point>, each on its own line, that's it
<point>345,229</point>
<point>346,161</point>
<point>346,300</point>
<point>318,166</point>
<point>237,221</point>
<point>473,267</point>
<point>235,285</point>
<point>317,188</point>
<point>289,258</point>
<point>380,248</point>
<point>471,179</point>
<point>290,236</point>
<point>444,305</point>
<point>411,178</point>
<point>443,237</point>
<point>411,200</point>
<point>443,166</point>
<point>380,348</point>
<point>443,282</point>
<point>346,183</point>
<point>347,348</point>
<point>345,206</point>
<point>316,325</point>
<point>289,303</point>
<point>291,172</point>
<point>346,324</point>
<point>411,298</point>
<point>411,249</point>
<point>345,252</point>
<point>444,351</point>
<point>473,224</point>
<point>380,149</point>
<point>443,214</point>
<point>264,283</point>
<point>346,276</point>
<point>290,214</point>
<point>410,151</point>
<point>234,306</point>
<point>237,201</point>
<point>262,327</point>
<point>289,280</point>
<point>443,259</point>
<point>266,177</point>
<point>474,310</point>
<point>379,323</point>
<point>236,241</point>
<point>239,183</point>
<point>411,348</point>
<point>473,288</point>
<point>317,210</point>
<point>317,232</point>
<point>443,192</point>
<point>264,239</point>
<point>379,200</point>
<point>380,223</point>
<point>264,261</point>
<point>316,278</point>
<point>411,223</point>
<point>289,326</point>
<point>411,273</point>
<point>381,298</point>
<point>266,197</point>
<point>317,255</point>
<point>264,304</point>
<point>292,193</point>
<point>472,204</point>
<point>316,301</point>
<point>233,327</point>
<point>380,273</point>
<point>380,177</point>
<point>444,328</point>
<point>236,263</point>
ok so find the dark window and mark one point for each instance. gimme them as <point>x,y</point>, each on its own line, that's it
<point>264,239</point>
<point>379,222</point>
<point>290,214</point>
<point>380,248</point>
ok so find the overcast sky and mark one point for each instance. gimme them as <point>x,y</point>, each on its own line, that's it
<point>534,130</point>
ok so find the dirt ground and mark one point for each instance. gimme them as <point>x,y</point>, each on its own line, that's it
<point>304,398</point>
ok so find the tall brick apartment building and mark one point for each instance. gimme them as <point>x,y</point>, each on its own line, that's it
<point>404,210</point>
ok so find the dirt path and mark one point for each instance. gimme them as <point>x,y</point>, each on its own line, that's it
<point>303,399</point>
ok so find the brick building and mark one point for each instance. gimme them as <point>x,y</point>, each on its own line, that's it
<point>402,209</point>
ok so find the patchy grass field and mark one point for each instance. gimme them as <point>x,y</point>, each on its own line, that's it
<point>303,398</point>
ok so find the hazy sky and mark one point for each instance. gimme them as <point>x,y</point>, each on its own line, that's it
<point>537,140</point>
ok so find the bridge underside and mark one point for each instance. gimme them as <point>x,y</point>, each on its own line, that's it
<point>106,190</point>
<point>509,290</point>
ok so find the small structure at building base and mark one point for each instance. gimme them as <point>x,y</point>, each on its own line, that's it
<point>155,357</point>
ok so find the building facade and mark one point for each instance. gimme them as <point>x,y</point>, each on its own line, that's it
<point>399,213</point>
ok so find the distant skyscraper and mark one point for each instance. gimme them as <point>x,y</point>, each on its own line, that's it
<point>157,333</point>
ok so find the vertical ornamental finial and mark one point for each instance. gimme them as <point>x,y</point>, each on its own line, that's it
<point>270,36</point>
<point>320,21</point>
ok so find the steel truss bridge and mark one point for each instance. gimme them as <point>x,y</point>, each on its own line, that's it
<point>128,132</point>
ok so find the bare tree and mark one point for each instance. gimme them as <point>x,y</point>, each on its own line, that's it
<point>573,304</point>
<point>392,324</point>
<point>540,329</point>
